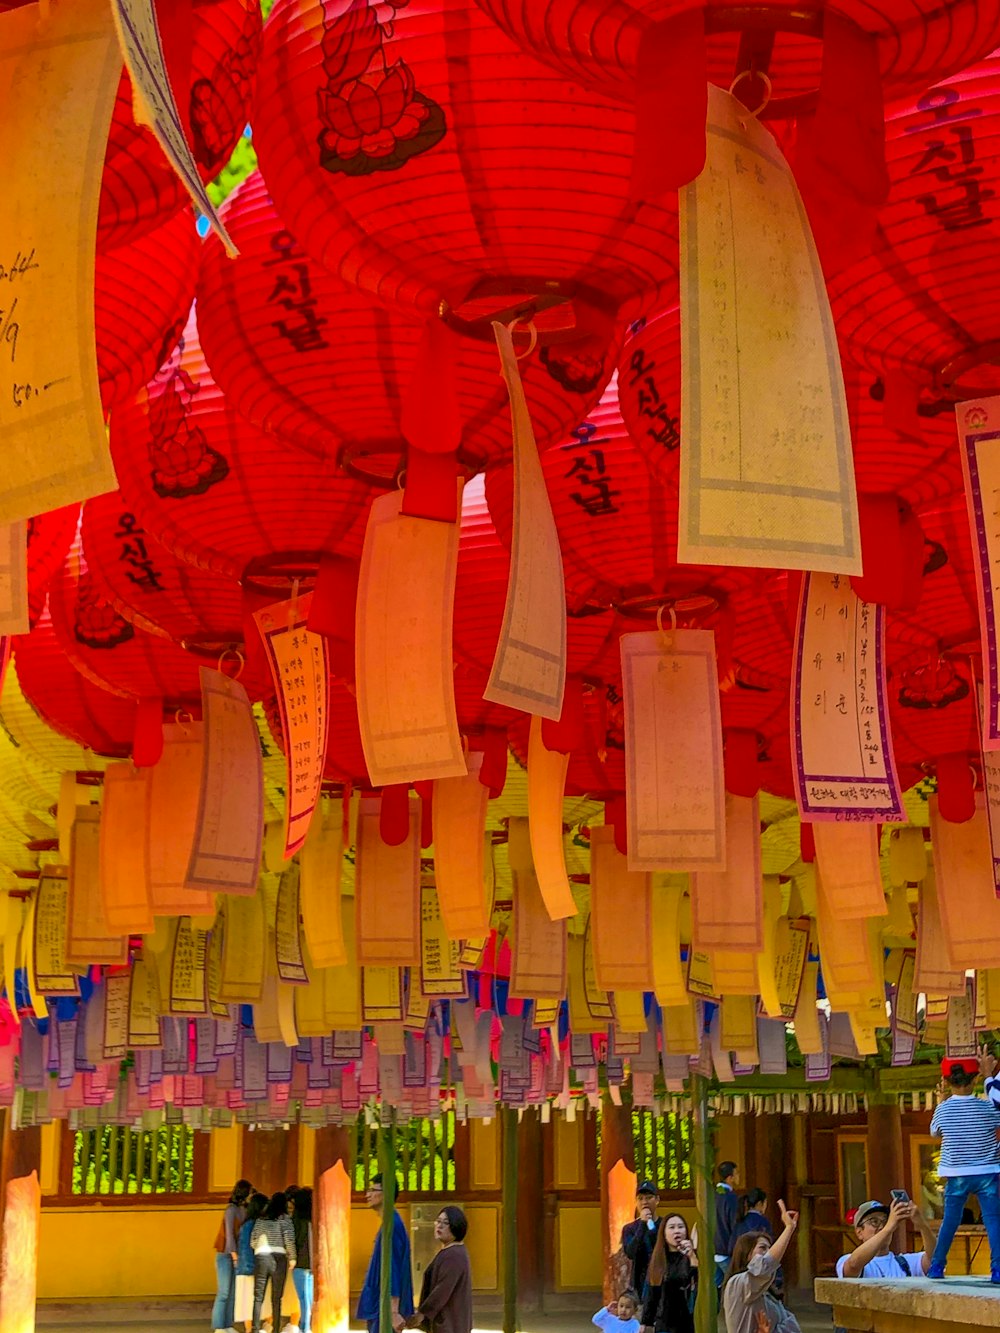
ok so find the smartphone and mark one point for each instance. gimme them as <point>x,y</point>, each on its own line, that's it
<point>899,1196</point>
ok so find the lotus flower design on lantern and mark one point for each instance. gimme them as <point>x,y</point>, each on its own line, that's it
<point>183,462</point>
<point>372,115</point>
<point>96,623</point>
<point>218,104</point>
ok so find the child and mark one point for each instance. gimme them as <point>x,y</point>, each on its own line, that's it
<point>620,1315</point>
<point>967,1127</point>
<point>244,1261</point>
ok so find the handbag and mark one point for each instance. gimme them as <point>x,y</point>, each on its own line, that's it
<point>220,1240</point>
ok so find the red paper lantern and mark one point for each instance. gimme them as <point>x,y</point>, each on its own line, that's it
<point>414,150</point>
<point>324,367</point>
<point>211,47</point>
<point>66,700</point>
<point>221,494</point>
<point>49,538</point>
<point>142,295</point>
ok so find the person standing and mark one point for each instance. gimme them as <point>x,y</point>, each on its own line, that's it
<point>225,1256</point>
<point>727,1206</point>
<point>445,1304</point>
<point>639,1237</point>
<point>400,1276</point>
<point>302,1274</point>
<point>673,1273</point>
<point>747,1301</point>
<point>273,1243</point>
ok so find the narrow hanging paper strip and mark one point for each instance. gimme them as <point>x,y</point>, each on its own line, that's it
<point>669,979</point>
<point>844,766</point>
<point>674,777</point>
<point>58,79</point>
<point>114,1045</point>
<point>623,959</point>
<point>966,890</point>
<point>321,863</point>
<point>808,1033</point>
<point>458,812</point>
<point>934,970</point>
<point>144,1005</point>
<point>404,671</point>
<point>174,784</point>
<point>727,906</point>
<point>153,99</point>
<point>529,669</point>
<point>187,993</point>
<point>538,943</point>
<point>124,849</point>
<point>52,977</point>
<point>979,433</point>
<point>342,985</point>
<point>300,671</point>
<point>546,787</point>
<point>843,947</point>
<point>14,577</point>
<point>847,860</point>
<point>766,467</point>
<point>440,967</point>
<point>387,891</point>
<point>990,760</point>
<point>229,832</point>
<point>289,960</point>
<point>88,939</point>
<point>243,944</point>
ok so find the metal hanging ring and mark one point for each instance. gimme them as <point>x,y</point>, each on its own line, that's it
<point>754,74</point>
<point>532,338</point>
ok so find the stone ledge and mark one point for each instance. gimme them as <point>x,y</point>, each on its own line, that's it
<point>874,1304</point>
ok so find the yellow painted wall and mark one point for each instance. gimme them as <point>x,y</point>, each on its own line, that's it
<point>578,1247</point>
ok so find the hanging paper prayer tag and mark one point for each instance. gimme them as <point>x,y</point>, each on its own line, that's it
<point>229,829</point>
<point>13,579</point>
<point>671,103</point>
<point>124,865</point>
<point>766,472</point>
<point>49,924</point>
<point>669,982</point>
<point>89,941</point>
<point>59,94</point>
<point>406,699</point>
<point>300,670</point>
<point>459,815</point>
<point>244,940</point>
<point>321,862</point>
<point>546,786</point>
<point>174,785</point>
<point>966,890</point>
<point>979,437</point>
<point>727,905</point>
<point>934,970</point>
<point>847,858</point>
<point>387,891</point>
<point>676,810</point>
<point>623,959</point>
<point>538,950</point>
<point>154,102</point>
<point>187,991</point>
<point>529,669</point>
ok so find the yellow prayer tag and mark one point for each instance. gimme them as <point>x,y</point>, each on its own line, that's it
<point>623,958</point>
<point>144,1005</point>
<point>174,784</point>
<point>847,861</point>
<point>48,922</point>
<point>767,473</point>
<point>387,891</point>
<point>807,1029</point>
<point>88,939</point>
<point>321,862</point>
<point>404,671</point>
<point>440,957</point>
<point>674,781</point>
<point>669,973</point>
<point>58,80</point>
<point>546,787</point>
<point>381,995</point>
<point>188,995</point>
<point>538,944</point>
<point>727,906</point>
<point>124,850</point>
<point>243,943</point>
<point>117,991</point>
<point>459,810</point>
<point>289,957</point>
<point>966,891</point>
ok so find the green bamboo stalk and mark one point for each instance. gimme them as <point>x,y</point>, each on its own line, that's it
<point>706,1312</point>
<point>387,1167</point>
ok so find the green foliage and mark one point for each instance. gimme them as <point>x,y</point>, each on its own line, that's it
<point>266,6</point>
<point>663,1148</point>
<point>116,1160</point>
<point>242,164</point>
<point>425,1155</point>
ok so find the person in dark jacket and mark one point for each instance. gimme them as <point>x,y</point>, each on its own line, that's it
<point>673,1274</point>
<point>302,1275</point>
<point>639,1237</point>
<point>445,1304</point>
<point>727,1206</point>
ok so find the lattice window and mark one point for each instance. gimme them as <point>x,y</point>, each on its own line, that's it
<point>663,1148</point>
<point>116,1160</point>
<point>425,1154</point>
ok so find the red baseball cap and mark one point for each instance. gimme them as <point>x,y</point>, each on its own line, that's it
<point>950,1064</point>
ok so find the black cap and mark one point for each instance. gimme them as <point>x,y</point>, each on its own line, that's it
<point>646,1187</point>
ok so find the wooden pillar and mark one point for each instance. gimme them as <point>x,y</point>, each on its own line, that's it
<point>706,1314</point>
<point>20,1200</point>
<point>617,1146</point>
<point>799,1199</point>
<point>886,1166</point>
<point>387,1169</point>
<point>508,1216</point>
<point>332,1230</point>
<point>530,1212</point>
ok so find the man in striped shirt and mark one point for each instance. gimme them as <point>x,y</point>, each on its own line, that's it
<point>967,1126</point>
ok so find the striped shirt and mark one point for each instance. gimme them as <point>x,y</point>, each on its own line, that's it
<point>273,1236</point>
<point>968,1128</point>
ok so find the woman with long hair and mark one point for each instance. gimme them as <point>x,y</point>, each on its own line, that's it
<point>672,1276</point>
<point>746,1298</point>
<point>302,1212</point>
<point>445,1304</point>
<point>243,1310</point>
<point>273,1243</point>
<point>225,1256</point>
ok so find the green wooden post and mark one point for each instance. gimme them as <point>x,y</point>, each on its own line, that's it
<point>706,1313</point>
<point>508,1124</point>
<point>387,1168</point>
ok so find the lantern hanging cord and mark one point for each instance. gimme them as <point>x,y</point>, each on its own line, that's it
<point>752,73</point>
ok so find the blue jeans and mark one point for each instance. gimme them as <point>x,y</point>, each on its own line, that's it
<point>956,1190</point>
<point>303,1279</point>
<point>224,1308</point>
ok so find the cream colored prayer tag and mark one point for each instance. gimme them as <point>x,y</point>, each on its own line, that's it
<point>529,669</point>
<point>966,890</point>
<point>766,467</point>
<point>59,75</point>
<point>538,943</point>
<point>300,670</point>
<point>174,784</point>
<point>14,577</point>
<point>979,435</point>
<point>727,906</point>
<point>847,863</point>
<point>229,833</point>
<point>88,939</point>
<point>405,677</point>
<point>674,781</point>
<point>48,923</point>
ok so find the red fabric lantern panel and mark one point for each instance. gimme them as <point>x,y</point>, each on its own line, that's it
<point>326,368</point>
<point>925,304</point>
<point>108,650</point>
<point>416,151</point>
<point>156,592</point>
<point>49,538</point>
<point>142,295</point>
<point>67,701</point>
<point>599,43</point>
<point>211,47</point>
<point>218,492</point>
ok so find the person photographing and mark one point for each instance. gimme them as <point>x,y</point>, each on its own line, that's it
<point>875,1225</point>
